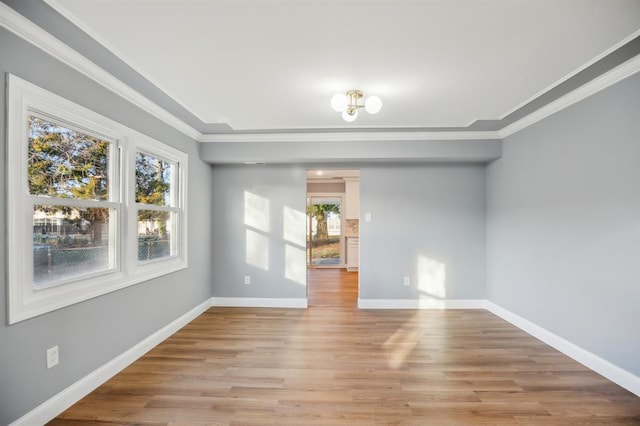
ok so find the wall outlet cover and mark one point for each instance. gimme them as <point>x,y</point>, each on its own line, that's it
<point>52,356</point>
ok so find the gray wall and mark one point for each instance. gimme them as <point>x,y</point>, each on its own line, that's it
<point>351,151</point>
<point>427,223</point>
<point>425,217</point>
<point>563,225</point>
<point>259,230</point>
<point>91,333</point>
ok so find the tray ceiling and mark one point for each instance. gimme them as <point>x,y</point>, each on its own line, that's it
<point>258,65</point>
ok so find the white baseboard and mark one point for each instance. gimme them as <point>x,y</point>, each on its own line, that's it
<point>421,303</point>
<point>601,366</point>
<point>63,400</point>
<point>258,302</point>
<point>74,393</point>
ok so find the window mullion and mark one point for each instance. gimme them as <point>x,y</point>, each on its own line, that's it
<point>170,209</point>
<point>72,202</point>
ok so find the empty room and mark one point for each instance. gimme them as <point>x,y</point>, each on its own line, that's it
<point>419,212</point>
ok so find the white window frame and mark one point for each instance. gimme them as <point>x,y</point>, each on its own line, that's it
<point>113,201</point>
<point>174,201</point>
<point>156,267</point>
<point>24,99</point>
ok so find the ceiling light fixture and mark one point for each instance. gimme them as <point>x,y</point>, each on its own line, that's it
<point>349,104</point>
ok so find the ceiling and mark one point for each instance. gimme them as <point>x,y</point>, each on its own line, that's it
<point>273,65</point>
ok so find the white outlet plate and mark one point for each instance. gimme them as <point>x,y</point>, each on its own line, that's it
<point>52,356</point>
<point>247,279</point>
<point>406,281</point>
<point>367,217</point>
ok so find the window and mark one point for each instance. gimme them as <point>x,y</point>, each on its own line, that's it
<point>68,176</point>
<point>156,207</point>
<point>94,206</point>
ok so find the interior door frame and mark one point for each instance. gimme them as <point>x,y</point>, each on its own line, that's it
<point>343,248</point>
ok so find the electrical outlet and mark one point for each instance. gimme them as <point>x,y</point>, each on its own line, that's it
<point>406,281</point>
<point>367,217</point>
<point>52,357</point>
<point>247,279</point>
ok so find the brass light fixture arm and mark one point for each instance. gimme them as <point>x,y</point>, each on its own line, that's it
<point>353,96</point>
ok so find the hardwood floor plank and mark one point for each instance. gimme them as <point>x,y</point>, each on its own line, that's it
<point>333,364</point>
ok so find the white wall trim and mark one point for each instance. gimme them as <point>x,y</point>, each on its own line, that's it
<point>25,98</point>
<point>111,48</point>
<point>32,33</point>
<point>584,66</point>
<point>66,398</point>
<point>605,80</point>
<point>349,136</point>
<point>421,304</point>
<point>601,366</point>
<point>258,302</point>
<point>74,393</point>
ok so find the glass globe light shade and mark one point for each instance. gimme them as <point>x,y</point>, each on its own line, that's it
<point>339,102</point>
<point>373,104</point>
<point>349,118</point>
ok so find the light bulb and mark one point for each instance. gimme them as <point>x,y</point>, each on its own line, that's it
<point>349,118</point>
<point>339,102</point>
<point>373,104</point>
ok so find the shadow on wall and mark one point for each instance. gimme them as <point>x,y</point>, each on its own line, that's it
<point>258,236</point>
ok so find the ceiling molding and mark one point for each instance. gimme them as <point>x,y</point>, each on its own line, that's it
<point>112,49</point>
<point>348,136</point>
<point>32,33</point>
<point>607,79</point>
<point>571,74</point>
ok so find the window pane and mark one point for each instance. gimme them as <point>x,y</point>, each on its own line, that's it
<point>69,242</point>
<point>154,235</point>
<point>153,180</point>
<point>65,163</point>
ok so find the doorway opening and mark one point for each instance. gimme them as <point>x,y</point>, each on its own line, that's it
<point>333,212</point>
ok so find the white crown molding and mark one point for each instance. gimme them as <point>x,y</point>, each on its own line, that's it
<point>571,74</point>
<point>348,136</point>
<point>607,79</point>
<point>592,361</point>
<point>118,53</point>
<point>49,409</point>
<point>32,33</point>
<point>613,76</point>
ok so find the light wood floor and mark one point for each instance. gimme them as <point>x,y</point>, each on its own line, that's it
<point>333,364</point>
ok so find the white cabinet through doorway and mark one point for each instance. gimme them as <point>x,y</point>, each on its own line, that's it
<point>352,198</point>
<point>353,249</point>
